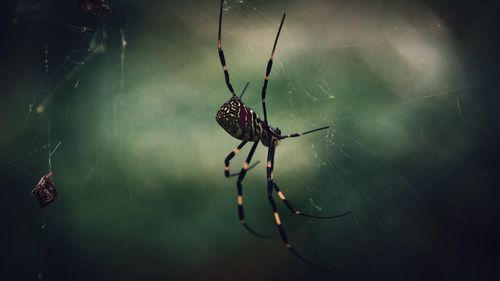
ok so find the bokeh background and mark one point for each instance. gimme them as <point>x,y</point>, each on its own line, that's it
<point>127,107</point>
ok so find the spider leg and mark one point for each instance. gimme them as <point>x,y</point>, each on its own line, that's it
<point>241,176</point>
<point>282,196</point>
<point>297,212</point>
<point>221,53</point>
<point>230,156</point>
<point>281,229</point>
<point>244,89</point>
<point>294,135</point>
<point>268,70</point>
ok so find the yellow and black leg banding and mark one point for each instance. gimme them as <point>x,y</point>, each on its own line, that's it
<point>270,161</point>
<point>268,70</point>
<point>241,176</point>
<point>271,186</point>
<point>294,210</point>
<point>221,54</point>
<point>230,156</point>
<point>277,219</point>
<point>285,201</point>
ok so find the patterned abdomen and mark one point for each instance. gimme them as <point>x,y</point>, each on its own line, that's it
<point>239,120</point>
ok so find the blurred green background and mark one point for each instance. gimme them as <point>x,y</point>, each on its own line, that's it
<point>407,87</point>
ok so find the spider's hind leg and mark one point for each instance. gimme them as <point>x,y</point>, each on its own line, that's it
<point>241,176</point>
<point>297,212</point>
<point>272,202</point>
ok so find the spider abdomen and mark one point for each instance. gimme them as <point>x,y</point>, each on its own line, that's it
<point>239,120</point>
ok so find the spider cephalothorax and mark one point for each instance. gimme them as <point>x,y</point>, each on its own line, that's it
<point>241,122</point>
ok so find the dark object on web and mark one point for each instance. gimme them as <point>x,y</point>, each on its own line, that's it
<point>45,191</point>
<point>99,8</point>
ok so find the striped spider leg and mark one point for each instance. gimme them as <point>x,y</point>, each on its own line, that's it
<point>271,185</point>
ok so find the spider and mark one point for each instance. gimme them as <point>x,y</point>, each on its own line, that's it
<point>241,122</point>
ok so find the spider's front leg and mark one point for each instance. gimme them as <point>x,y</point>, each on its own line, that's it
<point>294,210</point>
<point>294,135</point>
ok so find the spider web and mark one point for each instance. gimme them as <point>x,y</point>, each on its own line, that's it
<point>122,111</point>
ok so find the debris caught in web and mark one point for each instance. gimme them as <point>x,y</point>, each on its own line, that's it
<point>99,8</point>
<point>45,191</point>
